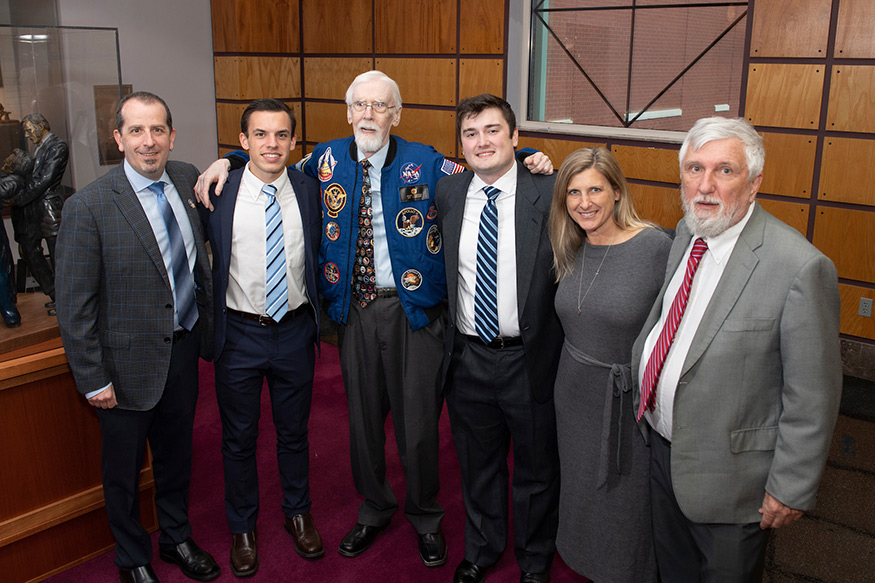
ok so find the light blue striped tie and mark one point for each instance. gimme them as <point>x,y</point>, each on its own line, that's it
<point>276,296</point>
<point>486,296</point>
<point>183,284</point>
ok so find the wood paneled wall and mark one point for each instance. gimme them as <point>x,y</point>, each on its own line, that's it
<point>810,91</point>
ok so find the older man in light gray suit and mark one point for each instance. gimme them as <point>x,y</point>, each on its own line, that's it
<point>738,367</point>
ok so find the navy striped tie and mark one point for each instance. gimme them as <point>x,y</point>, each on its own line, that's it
<point>276,288</point>
<point>486,295</point>
<point>183,284</point>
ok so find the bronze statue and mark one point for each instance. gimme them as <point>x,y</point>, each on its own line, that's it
<point>36,208</point>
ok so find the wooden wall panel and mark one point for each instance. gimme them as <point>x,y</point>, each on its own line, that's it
<point>852,99</point>
<point>852,322</point>
<point>656,164</point>
<point>252,26</point>
<point>658,204</point>
<point>228,121</point>
<point>415,26</point>
<point>433,127</point>
<point>326,121</point>
<point>847,171</point>
<point>257,77</point>
<point>338,26</point>
<point>557,150</point>
<point>223,16</point>
<point>482,27</point>
<point>854,32</point>
<point>793,213</point>
<point>329,78</point>
<point>478,76</point>
<point>790,28</point>
<point>422,81</point>
<point>789,164</point>
<point>786,96</point>
<point>845,236</point>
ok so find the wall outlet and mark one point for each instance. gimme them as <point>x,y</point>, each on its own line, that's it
<point>866,307</point>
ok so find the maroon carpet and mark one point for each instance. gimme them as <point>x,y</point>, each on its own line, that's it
<point>394,556</point>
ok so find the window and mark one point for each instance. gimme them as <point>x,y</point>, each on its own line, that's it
<point>630,68</point>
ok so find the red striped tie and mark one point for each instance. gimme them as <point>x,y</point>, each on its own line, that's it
<point>666,337</point>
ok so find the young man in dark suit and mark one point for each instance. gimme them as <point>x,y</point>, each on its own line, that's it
<point>500,361</point>
<point>265,235</point>
<point>135,311</point>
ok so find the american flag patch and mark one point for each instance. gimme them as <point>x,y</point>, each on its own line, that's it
<point>450,167</point>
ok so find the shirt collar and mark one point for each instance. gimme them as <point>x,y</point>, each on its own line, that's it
<point>723,244</point>
<point>140,182</point>
<point>378,158</point>
<point>253,185</point>
<point>506,184</point>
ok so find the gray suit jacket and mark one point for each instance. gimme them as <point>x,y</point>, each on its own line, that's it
<point>759,392</point>
<point>536,288</point>
<point>115,304</point>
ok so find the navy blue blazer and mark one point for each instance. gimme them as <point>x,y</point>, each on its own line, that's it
<point>219,223</point>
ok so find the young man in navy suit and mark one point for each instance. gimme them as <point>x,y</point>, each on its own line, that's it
<point>265,234</point>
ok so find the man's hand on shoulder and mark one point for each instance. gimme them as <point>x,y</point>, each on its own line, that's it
<point>217,173</point>
<point>539,163</point>
<point>105,399</point>
<point>776,514</point>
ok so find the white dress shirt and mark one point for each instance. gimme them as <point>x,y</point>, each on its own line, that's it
<point>246,283</point>
<point>508,312</point>
<point>705,282</point>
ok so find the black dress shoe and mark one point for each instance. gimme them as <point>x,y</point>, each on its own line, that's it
<point>468,572</point>
<point>433,549</point>
<point>195,562</point>
<point>534,577</point>
<point>143,574</point>
<point>50,304</point>
<point>11,317</point>
<point>359,539</point>
<point>244,553</point>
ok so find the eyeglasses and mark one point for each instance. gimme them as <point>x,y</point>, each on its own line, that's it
<point>376,106</point>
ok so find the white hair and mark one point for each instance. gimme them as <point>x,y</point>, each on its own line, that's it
<point>375,76</point>
<point>710,129</point>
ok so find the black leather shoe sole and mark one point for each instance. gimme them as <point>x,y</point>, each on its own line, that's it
<point>364,537</point>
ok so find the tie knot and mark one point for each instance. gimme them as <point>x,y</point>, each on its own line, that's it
<point>491,192</point>
<point>366,163</point>
<point>157,187</point>
<point>269,190</point>
<point>699,248</point>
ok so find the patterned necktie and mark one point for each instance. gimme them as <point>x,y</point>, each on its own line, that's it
<point>183,284</point>
<point>666,337</point>
<point>276,288</point>
<point>363,277</point>
<point>486,296</point>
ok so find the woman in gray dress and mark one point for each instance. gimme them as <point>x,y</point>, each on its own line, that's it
<point>610,265</point>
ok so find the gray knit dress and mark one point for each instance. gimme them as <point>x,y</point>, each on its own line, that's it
<point>604,508</point>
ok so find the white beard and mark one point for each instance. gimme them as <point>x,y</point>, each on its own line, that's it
<point>707,227</point>
<point>369,143</point>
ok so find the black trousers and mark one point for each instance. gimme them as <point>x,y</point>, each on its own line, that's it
<point>168,428</point>
<point>689,552</point>
<point>491,404</point>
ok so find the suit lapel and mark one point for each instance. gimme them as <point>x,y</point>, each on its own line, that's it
<point>129,206</point>
<point>528,222</point>
<point>225,205</point>
<point>739,268</point>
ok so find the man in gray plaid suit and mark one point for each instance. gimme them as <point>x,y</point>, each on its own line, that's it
<point>134,299</point>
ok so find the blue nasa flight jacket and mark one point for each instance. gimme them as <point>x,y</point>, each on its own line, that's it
<point>407,190</point>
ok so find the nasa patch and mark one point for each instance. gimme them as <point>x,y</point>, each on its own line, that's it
<point>410,173</point>
<point>411,280</point>
<point>433,240</point>
<point>332,274</point>
<point>332,231</point>
<point>334,197</point>
<point>325,166</point>
<point>409,222</point>
<point>432,213</point>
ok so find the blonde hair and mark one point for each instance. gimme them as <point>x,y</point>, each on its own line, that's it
<point>566,236</point>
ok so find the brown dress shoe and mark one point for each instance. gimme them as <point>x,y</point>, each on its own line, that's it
<point>308,543</point>
<point>244,554</point>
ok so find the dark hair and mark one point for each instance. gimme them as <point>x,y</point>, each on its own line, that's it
<point>265,105</point>
<point>143,97</point>
<point>38,120</point>
<point>475,105</point>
